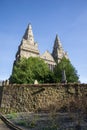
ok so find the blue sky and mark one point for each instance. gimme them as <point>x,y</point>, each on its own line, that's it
<point>67,18</point>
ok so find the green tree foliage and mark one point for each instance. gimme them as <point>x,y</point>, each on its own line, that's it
<point>71,73</point>
<point>31,69</point>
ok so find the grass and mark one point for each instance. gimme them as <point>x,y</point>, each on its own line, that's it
<point>11,116</point>
<point>22,123</point>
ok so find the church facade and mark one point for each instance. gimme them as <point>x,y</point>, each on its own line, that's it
<point>28,47</point>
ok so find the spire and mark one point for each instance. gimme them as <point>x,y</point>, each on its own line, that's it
<point>29,34</point>
<point>57,43</point>
<point>28,47</point>
<point>57,49</point>
<point>58,52</point>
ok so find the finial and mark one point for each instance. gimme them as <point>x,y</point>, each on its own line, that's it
<point>29,26</point>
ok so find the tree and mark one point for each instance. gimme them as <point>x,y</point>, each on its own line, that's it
<point>29,70</point>
<point>71,72</point>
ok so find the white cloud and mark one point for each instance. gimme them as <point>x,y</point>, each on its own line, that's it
<point>83,79</point>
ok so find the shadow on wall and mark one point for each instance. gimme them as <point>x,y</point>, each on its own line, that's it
<point>1,92</point>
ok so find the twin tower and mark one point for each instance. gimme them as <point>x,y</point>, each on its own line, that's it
<point>29,47</point>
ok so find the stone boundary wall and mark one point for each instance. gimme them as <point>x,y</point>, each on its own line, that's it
<point>28,98</point>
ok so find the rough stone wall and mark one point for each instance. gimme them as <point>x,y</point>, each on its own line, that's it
<point>25,98</point>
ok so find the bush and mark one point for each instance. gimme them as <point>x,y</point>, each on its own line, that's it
<point>28,70</point>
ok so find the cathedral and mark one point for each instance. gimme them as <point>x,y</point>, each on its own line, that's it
<point>28,47</point>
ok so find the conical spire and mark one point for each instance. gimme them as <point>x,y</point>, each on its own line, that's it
<point>29,34</point>
<point>28,47</point>
<point>57,43</point>
<point>57,49</point>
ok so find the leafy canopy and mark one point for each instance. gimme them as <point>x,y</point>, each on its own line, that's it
<point>70,71</point>
<point>31,69</point>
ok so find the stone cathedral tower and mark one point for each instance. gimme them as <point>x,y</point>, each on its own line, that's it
<point>28,47</point>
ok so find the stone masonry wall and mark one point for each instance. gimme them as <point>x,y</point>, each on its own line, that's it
<point>26,98</point>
